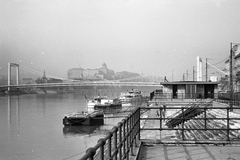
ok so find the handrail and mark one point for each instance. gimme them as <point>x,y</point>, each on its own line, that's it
<point>229,133</point>
<point>119,141</point>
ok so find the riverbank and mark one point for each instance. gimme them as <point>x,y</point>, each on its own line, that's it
<point>115,90</point>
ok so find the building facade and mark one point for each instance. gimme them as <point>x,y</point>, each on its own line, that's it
<point>90,74</point>
<point>190,89</point>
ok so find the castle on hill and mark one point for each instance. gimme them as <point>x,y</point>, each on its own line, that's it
<point>91,74</point>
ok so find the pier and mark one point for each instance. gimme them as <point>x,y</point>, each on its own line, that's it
<point>204,128</point>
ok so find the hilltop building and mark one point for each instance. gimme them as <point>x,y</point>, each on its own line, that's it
<point>102,73</point>
<point>91,74</point>
<point>75,73</point>
<point>104,68</point>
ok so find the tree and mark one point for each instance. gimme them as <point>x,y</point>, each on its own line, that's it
<point>224,83</point>
<point>237,79</point>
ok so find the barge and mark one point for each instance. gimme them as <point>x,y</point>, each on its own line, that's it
<point>84,118</point>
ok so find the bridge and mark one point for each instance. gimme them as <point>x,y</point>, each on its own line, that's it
<point>62,83</point>
<point>77,84</point>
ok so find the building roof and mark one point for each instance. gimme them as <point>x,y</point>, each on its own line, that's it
<point>75,69</point>
<point>187,82</point>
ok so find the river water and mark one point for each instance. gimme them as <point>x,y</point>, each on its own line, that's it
<point>31,125</point>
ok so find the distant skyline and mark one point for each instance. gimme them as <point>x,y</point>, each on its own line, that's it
<point>156,37</point>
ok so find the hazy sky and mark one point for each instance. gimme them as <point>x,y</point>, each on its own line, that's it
<point>157,37</point>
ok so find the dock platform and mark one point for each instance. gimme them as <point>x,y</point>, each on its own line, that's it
<point>153,148</point>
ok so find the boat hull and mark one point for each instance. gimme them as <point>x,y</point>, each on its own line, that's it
<point>97,119</point>
<point>108,106</point>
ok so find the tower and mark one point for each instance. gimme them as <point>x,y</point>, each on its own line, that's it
<point>10,65</point>
<point>199,69</point>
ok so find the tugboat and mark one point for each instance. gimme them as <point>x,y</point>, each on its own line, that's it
<point>84,118</point>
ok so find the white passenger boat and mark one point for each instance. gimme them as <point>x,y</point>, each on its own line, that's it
<point>131,96</point>
<point>104,103</point>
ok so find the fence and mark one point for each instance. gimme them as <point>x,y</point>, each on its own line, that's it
<point>182,96</point>
<point>197,122</point>
<point>118,144</point>
<point>221,97</point>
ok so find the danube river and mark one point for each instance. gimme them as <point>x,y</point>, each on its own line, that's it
<point>31,125</point>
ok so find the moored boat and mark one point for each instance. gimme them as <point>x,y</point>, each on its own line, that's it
<point>104,103</point>
<point>131,96</point>
<point>84,118</point>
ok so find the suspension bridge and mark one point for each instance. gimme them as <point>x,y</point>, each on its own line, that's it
<point>12,81</point>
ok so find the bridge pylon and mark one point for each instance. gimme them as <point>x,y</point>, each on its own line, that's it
<point>10,65</point>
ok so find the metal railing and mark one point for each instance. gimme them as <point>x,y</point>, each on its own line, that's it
<point>197,118</point>
<point>201,120</point>
<point>119,142</point>
<point>225,98</point>
<point>220,97</point>
<point>183,96</point>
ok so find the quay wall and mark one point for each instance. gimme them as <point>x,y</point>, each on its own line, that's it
<point>96,89</point>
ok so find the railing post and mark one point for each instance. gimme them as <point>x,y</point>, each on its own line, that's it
<point>102,143</point>
<point>115,142</point>
<point>160,118</point>
<point>125,138</point>
<point>139,123</point>
<point>205,117</point>
<point>228,139</point>
<point>120,140</point>
<point>183,118</point>
<point>110,145</point>
<point>131,133</point>
<point>135,124</point>
<point>128,137</point>
<point>92,152</point>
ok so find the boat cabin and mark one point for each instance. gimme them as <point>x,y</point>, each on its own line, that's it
<point>190,89</point>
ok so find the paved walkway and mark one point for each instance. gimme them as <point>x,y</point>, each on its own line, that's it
<point>189,152</point>
<point>152,150</point>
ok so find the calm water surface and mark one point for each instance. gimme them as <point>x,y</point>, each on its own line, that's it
<point>31,127</point>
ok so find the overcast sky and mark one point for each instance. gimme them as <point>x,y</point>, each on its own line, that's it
<point>157,37</point>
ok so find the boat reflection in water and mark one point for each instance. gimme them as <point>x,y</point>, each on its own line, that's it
<point>73,131</point>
